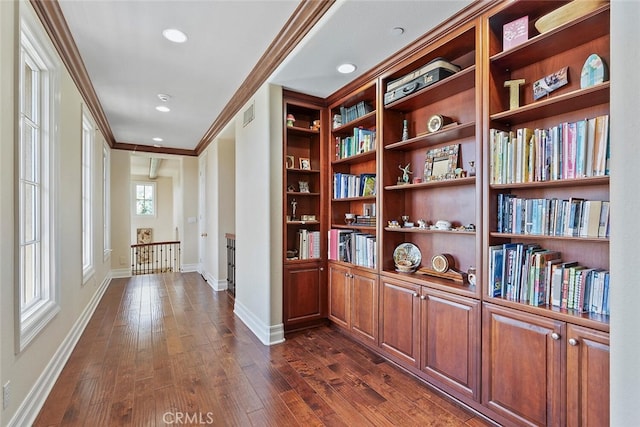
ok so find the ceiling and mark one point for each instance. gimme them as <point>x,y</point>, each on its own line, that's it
<point>129,63</point>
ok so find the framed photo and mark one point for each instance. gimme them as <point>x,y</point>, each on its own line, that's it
<point>290,162</point>
<point>305,163</point>
<point>304,186</point>
<point>441,163</point>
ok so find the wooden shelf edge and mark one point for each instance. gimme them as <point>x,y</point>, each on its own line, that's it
<point>356,158</point>
<point>422,141</point>
<point>354,199</point>
<point>433,282</point>
<point>548,237</point>
<point>579,98</point>
<point>360,121</point>
<point>591,320</point>
<point>443,183</point>
<point>586,181</point>
<point>428,231</point>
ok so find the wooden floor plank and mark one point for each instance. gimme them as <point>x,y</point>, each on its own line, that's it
<point>167,349</point>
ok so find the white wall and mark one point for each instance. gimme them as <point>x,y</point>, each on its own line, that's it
<point>120,213</point>
<point>625,214</point>
<point>219,209</point>
<point>162,222</point>
<point>188,230</point>
<point>32,371</point>
<point>259,216</point>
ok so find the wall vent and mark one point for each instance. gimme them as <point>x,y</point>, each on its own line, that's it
<point>249,115</point>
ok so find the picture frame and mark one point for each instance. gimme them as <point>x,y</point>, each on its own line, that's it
<point>290,162</point>
<point>440,163</point>
<point>303,186</point>
<point>305,163</point>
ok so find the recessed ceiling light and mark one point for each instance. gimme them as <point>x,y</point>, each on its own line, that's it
<point>346,68</point>
<point>164,97</point>
<point>157,139</point>
<point>163,108</point>
<point>174,35</point>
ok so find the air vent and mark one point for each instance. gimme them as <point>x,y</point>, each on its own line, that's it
<point>249,115</point>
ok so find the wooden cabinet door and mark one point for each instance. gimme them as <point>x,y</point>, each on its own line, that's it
<point>522,366</point>
<point>450,341</point>
<point>339,295</point>
<point>587,377</point>
<point>303,293</point>
<point>364,306</point>
<point>400,320</point>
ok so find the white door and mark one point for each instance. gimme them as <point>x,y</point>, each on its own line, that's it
<point>202,217</point>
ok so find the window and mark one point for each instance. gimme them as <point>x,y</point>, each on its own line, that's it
<point>145,194</point>
<point>88,135</point>
<point>37,291</point>
<point>106,199</point>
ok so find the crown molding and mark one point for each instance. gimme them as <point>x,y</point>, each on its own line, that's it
<point>54,23</point>
<point>306,15</point>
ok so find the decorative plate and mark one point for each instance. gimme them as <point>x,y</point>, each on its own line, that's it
<point>407,256</point>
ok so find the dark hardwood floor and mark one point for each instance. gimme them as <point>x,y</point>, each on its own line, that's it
<point>167,350</point>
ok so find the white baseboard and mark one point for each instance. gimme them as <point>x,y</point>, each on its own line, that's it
<point>269,335</point>
<point>189,268</point>
<point>216,284</point>
<point>119,273</point>
<point>33,402</point>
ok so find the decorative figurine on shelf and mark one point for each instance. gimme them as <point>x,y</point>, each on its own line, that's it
<point>422,224</point>
<point>349,218</point>
<point>290,120</point>
<point>405,130</point>
<point>472,168</point>
<point>405,173</point>
<point>293,209</point>
<point>393,224</point>
<point>315,125</point>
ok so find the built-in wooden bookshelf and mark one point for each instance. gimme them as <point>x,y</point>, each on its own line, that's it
<point>547,336</point>
<point>304,213</point>
<point>460,335</point>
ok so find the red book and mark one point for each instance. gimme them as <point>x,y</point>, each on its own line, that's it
<point>515,33</point>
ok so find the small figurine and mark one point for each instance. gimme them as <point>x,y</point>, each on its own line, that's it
<point>290,120</point>
<point>422,224</point>
<point>405,130</point>
<point>405,172</point>
<point>293,209</point>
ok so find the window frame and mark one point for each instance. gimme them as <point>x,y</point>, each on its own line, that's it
<point>36,52</point>
<point>88,195</point>
<point>106,200</point>
<point>154,199</point>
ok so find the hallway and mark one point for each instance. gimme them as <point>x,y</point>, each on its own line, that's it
<point>167,350</point>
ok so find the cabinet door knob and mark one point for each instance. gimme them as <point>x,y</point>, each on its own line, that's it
<point>321,268</point>
<point>573,341</point>
<point>423,297</point>
<point>555,336</point>
<point>415,294</point>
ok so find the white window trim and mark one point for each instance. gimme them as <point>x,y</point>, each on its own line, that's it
<point>88,194</point>
<point>32,320</point>
<point>155,199</point>
<point>106,200</point>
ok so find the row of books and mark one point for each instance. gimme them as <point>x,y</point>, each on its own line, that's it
<point>353,247</point>
<point>363,140</point>
<point>349,185</point>
<point>529,274</point>
<point>308,244</point>
<point>566,151</point>
<point>349,114</point>
<point>575,217</point>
